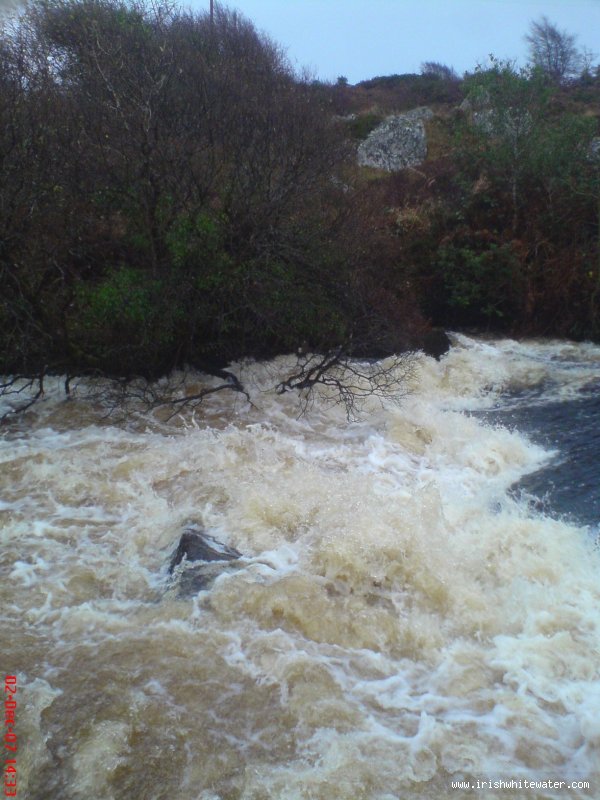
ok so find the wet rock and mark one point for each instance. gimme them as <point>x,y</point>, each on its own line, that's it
<point>436,343</point>
<point>199,559</point>
<point>196,545</point>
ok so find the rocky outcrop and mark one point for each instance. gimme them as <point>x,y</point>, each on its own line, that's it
<point>399,142</point>
<point>199,559</point>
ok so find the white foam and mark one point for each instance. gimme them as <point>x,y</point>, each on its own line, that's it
<point>397,618</point>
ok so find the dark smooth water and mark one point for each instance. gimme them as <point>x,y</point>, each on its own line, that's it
<point>570,483</point>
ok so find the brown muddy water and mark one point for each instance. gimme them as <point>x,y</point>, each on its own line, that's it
<point>400,620</point>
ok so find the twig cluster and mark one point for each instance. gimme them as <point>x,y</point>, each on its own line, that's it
<point>120,395</point>
<point>347,381</point>
<point>30,387</point>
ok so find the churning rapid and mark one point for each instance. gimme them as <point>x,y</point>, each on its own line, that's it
<point>403,617</point>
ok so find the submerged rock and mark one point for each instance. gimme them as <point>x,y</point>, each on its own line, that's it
<point>196,545</point>
<point>199,559</point>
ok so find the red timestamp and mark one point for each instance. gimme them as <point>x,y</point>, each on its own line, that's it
<point>10,735</point>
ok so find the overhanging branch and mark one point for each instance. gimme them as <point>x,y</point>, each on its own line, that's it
<point>347,381</point>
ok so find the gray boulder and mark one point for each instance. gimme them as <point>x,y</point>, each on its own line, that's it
<point>199,559</point>
<point>399,142</point>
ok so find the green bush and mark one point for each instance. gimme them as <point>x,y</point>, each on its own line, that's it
<point>124,297</point>
<point>360,127</point>
<point>480,282</point>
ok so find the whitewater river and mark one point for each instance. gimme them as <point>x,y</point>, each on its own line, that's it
<point>412,611</point>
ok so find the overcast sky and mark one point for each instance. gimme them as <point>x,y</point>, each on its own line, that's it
<point>364,38</point>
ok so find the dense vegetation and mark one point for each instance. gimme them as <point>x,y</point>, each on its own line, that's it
<point>172,193</point>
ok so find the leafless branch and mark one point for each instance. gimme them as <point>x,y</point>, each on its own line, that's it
<point>20,385</point>
<point>121,396</point>
<point>347,381</point>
